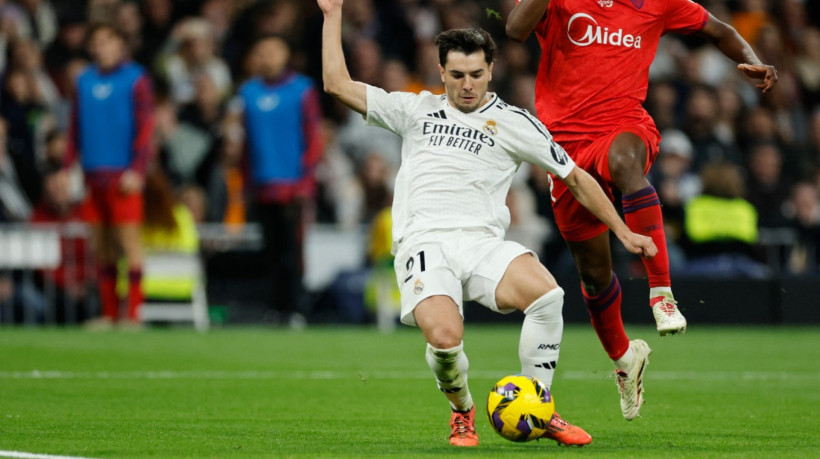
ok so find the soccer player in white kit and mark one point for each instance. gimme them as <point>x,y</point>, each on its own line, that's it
<point>460,151</point>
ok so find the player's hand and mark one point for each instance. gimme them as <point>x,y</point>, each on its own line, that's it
<point>766,74</point>
<point>131,182</point>
<point>329,5</point>
<point>640,245</point>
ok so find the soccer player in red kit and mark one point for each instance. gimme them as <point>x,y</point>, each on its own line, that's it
<point>592,79</point>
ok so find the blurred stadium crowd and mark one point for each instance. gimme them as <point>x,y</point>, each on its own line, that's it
<point>722,139</point>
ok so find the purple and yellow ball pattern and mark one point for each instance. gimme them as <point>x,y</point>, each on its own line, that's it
<point>520,408</point>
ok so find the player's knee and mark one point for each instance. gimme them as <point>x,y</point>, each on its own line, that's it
<point>445,337</point>
<point>624,164</point>
<point>595,278</point>
<point>548,307</point>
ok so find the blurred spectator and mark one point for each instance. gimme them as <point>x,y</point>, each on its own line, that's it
<point>204,115</point>
<point>721,227</point>
<point>72,279</point>
<point>15,205</point>
<point>803,210</point>
<point>759,127</point>
<point>751,18</point>
<point>730,111</point>
<point>111,131</point>
<point>701,122</point>
<point>339,192</point>
<point>25,112</point>
<point>674,180</point>
<point>376,179</point>
<point>128,20</point>
<point>807,67</point>
<point>768,187</point>
<point>366,61</point>
<point>281,160</point>
<point>783,101</point>
<point>811,154</point>
<point>169,227</point>
<point>662,101</point>
<point>12,27</point>
<point>56,144</point>
<point>192,55</point>
<point>225,182</point>
<point>40,22</point>
<point>427,71</point>
<point>184,148</point>
<point>68,45</point>
<point>27,57</point>
<point>522,92</point>
<point>219,14</point>
<point>156,28</point>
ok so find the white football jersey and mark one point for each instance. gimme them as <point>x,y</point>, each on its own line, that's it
<point>456,168</point>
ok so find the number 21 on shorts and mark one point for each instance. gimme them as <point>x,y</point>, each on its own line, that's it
<point>411,262</point>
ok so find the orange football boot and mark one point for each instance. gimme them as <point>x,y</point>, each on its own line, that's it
<point>462,426</point>
<point>565,433</point>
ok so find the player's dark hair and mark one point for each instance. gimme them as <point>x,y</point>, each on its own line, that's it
<point>96,27</point>
<point>271,36</point>
<point>467,41</point>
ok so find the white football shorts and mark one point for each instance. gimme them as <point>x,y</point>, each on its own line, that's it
<point>464,264</point>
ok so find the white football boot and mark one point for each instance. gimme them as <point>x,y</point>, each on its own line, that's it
<point>630,382</point>
<point>668,318</point>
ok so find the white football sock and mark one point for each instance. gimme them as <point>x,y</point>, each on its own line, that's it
<point>450,369</point>
<point>625,361</point>
<point>541,336</point>
<point>660,291</point>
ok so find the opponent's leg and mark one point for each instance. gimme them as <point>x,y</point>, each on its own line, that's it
<point>440,321</point>
<point>642,213</point>
<point>602,294</point>
<point>529,287</point>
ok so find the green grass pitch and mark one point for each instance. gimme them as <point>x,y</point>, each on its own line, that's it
<point>351,392</point>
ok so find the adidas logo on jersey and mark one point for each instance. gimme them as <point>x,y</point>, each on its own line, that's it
<point>438,114</point>
<point>594,33</point>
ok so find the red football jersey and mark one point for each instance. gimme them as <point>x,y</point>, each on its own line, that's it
<point>595,58</point>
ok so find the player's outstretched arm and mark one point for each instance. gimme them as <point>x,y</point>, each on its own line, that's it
<point>524,17</point>
<point>336,78</point>
<point>730,43</point>
<point>589,193</point>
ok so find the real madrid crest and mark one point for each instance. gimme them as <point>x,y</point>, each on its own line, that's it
<point>490,127</point>
<point>418,287</point>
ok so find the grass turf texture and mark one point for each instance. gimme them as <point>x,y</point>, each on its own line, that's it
<point>714,392</point>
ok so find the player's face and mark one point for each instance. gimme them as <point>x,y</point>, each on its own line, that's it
<point>271,56</point>
<point>465,78</point>
<point>107,48</point>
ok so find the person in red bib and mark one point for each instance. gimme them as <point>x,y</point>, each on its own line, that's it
<point>592,80</point>
<point>110,134</point>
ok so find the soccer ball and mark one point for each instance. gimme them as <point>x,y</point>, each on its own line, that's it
<point>520,408</point>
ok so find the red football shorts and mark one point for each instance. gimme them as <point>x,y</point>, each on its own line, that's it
<point>108,205</point>
<point>574,221</point>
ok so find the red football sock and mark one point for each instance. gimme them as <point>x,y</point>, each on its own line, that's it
<point>605,315</point>
<point>109,301</point>
<point>642,212</point>
<point>135,297</point>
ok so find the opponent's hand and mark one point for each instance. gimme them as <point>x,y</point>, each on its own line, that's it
<point>329,5</point>
<point>639,245</point>
<point>131,182</point>
<point>766,74</point>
